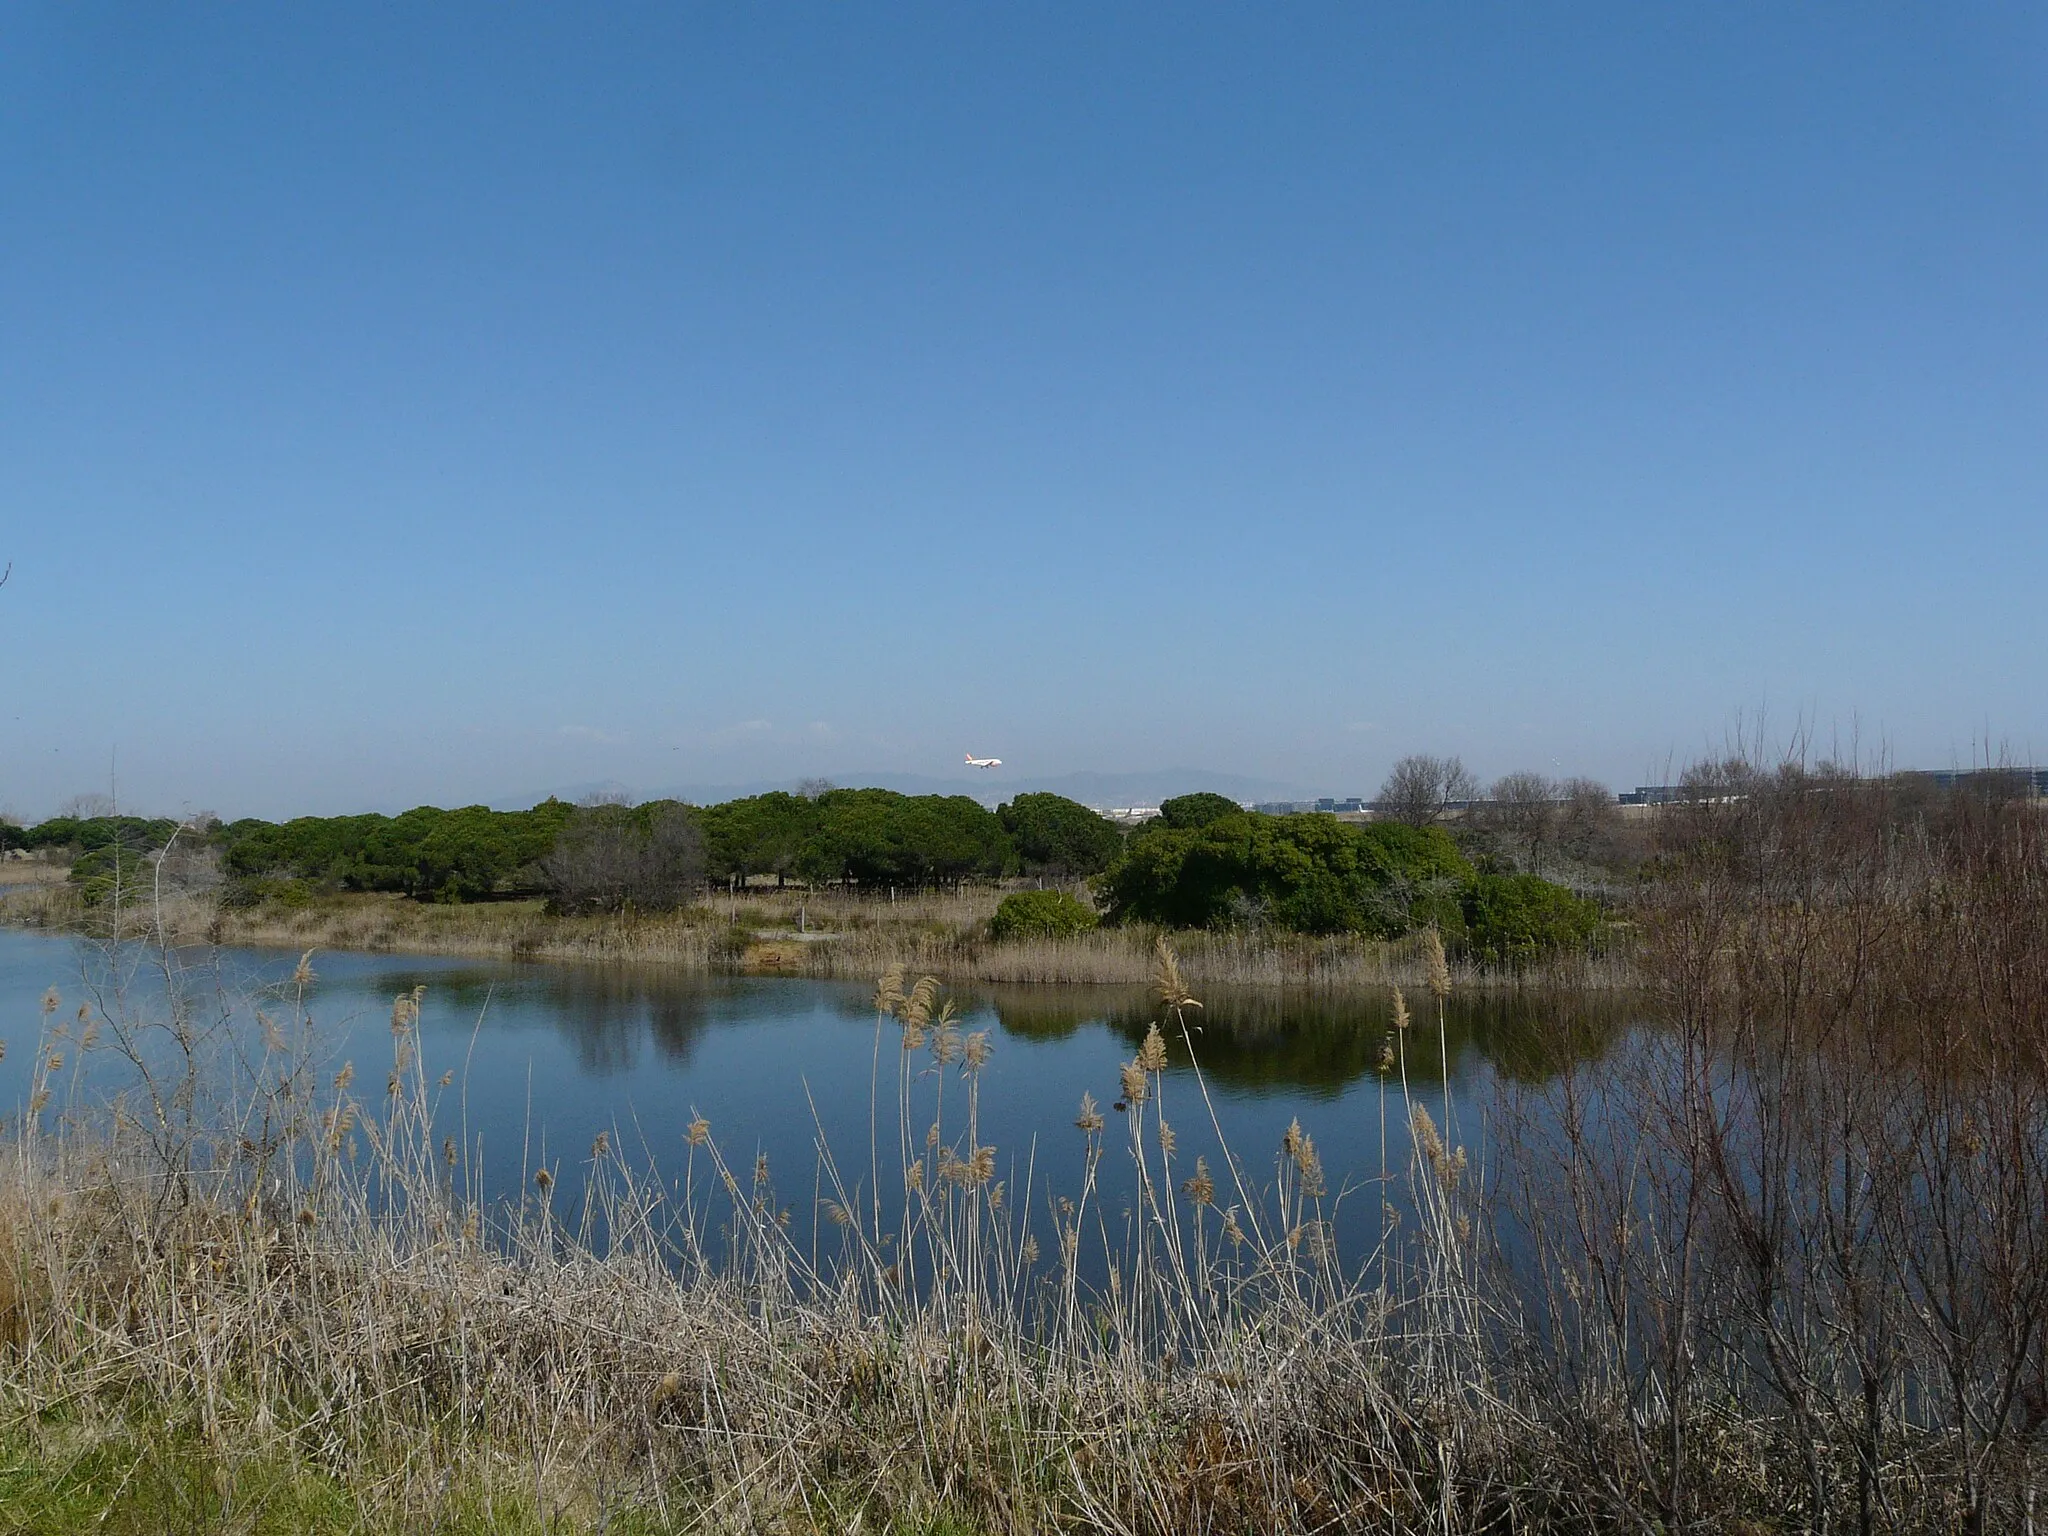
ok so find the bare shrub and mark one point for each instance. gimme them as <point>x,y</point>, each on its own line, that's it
<point>1421,790</point>
<point>1589,826</point>
<point>614,858</point>
<point>1815,1203</point>
<point>1522,808</point>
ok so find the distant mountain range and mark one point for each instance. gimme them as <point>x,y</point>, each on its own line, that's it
<point>1103,790</point>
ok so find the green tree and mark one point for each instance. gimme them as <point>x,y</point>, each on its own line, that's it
<point>1311,874</point>
<point>759,835</point>
<point>950,838</point>
<point>1198,810</point>
<point>875,837</point>
<point>1057,836</point>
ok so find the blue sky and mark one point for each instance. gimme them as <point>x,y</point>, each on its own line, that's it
<point>431,404</point>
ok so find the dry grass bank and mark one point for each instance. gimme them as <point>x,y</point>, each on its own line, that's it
<point>19,874</point>
<point>292,1311</point>
<point>802,933</point>
<point>295,1314</point>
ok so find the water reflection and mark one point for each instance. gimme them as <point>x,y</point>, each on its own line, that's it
<point>609,1015</point>
<point>1320,1044</point>
<point>1259,1042</point>
<point>546,1057</point>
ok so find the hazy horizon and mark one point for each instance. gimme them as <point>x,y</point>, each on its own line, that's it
<point>441,406</point>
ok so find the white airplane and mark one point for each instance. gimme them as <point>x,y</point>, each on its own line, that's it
<point>983,762</point>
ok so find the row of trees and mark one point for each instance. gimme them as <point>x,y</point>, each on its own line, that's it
<point>874,837</point>
<point>607,856</point>
<point>108,852</point>
<point>87,833</point>
<point>428,853</point>
<point>1205,862</point>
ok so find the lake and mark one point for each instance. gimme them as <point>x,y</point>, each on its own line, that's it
<point>546,1057</point>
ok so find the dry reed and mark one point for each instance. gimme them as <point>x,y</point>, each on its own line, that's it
<point>310,1280</point>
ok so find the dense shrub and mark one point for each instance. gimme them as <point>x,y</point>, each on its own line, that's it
<point>109,853</point>
<point>255,890</point>
<point>108,868</point>
<point>1316,874</point>
<point>1514,919</point>
<point>1311,874</point>
<point>1040,915</point>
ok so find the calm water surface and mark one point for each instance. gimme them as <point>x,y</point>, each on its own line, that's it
<point>548,1056</point>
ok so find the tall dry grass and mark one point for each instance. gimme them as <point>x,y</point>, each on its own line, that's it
<point>20,874</point>
<point>279,1269</point>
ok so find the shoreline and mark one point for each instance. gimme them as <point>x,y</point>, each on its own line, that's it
<point>802,933</point>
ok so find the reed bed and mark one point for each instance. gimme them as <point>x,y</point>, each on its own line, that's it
<point>261,1299</point>
<point>19,874</point>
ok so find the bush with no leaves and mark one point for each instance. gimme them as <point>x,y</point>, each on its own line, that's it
<point>1421,789</point>
<point>611,858</point>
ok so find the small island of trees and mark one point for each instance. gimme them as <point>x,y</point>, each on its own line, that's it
<point>1204,862</point>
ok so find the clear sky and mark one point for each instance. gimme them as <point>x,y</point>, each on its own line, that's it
<point>434,403</point>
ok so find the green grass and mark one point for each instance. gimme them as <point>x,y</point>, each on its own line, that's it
<point>141,1474</point>
<point>127,1477</point>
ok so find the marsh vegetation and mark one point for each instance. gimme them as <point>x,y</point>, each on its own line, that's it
<point>843,883</point>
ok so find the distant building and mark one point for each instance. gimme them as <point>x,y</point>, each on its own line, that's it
<point>1652,794</point>
<point>2031,782</point>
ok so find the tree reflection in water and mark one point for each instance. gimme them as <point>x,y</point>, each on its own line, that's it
<point>1319,1044</point>
<point>608,1014</point>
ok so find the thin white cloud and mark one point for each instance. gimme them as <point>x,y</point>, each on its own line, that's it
<point>592,733</point>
